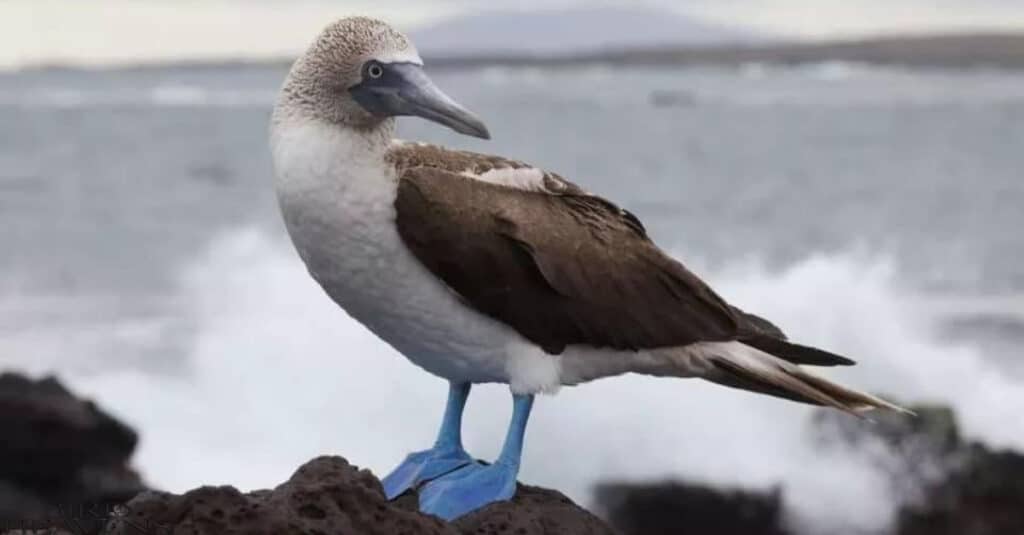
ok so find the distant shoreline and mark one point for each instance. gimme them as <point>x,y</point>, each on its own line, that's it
<point>952,51</point>
<point>941,51</point>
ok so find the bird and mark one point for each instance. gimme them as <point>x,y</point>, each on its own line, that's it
<point>485,269</point>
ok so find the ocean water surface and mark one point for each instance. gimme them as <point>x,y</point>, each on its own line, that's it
<point>874,212</point>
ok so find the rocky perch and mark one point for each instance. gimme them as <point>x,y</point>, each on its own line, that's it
<point>330,496</point>
<point>65,468</point>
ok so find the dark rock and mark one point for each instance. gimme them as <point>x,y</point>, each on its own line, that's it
<point>915,451</point>
<point>533,511</point>
<point>984,495</point>
<point>947,485</point>
<point>63,461</point>
<point>671,508</point>
<point>327,496</point>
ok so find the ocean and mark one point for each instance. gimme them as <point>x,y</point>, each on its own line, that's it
<point>875,212</point>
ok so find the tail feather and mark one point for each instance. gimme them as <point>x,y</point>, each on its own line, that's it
<point>749,368</point>
<point>796,353</point>
<point>766,336</point>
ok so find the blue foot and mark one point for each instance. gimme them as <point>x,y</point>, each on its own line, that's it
<point>468,489</point>
<point>424,466</point>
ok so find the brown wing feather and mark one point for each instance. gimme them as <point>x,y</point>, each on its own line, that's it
<point>562,266</point>
<point>560,269</point>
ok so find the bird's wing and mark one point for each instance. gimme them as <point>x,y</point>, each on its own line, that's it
<point>557,264</point>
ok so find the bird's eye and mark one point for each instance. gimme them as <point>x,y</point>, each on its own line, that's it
<point>375,70</point>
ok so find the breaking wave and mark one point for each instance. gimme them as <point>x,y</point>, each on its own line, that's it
<point>276,374</point>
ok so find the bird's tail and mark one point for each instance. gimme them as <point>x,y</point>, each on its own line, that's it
<point>741,366</point>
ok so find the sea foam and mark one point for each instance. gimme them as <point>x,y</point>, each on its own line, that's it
<point>277,374</point>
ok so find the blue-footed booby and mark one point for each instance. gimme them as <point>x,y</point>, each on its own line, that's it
<point>484,269</point>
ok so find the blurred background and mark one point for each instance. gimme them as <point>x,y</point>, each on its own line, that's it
<point>850,169</point>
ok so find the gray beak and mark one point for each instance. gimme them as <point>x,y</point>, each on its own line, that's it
<point>390,89</point>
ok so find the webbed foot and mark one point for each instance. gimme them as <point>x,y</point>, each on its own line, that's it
<point>423,466</point>
<point>468,489</point>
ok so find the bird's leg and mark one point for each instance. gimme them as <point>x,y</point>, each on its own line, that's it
<point>474,486</point>
<point>446,455</point>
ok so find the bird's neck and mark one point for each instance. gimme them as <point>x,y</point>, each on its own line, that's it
<point>319,160</point>
<point>297,129</point>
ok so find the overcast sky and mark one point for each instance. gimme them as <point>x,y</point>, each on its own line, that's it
<point>104,31</point>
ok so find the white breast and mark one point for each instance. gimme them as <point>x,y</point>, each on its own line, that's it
<point>337,196</point>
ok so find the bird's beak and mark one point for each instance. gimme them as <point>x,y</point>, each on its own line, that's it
<point>404,89</point>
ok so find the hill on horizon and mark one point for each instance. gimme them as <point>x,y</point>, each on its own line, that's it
<point>572,30</point>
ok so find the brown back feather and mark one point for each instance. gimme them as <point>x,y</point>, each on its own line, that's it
<point>559,265</point>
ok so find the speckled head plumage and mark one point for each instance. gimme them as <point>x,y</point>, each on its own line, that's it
<point>359,72</point>
<point>320,79</point>
<point>345,45</point>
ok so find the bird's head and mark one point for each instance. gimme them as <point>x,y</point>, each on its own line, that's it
<point>360,71</point>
